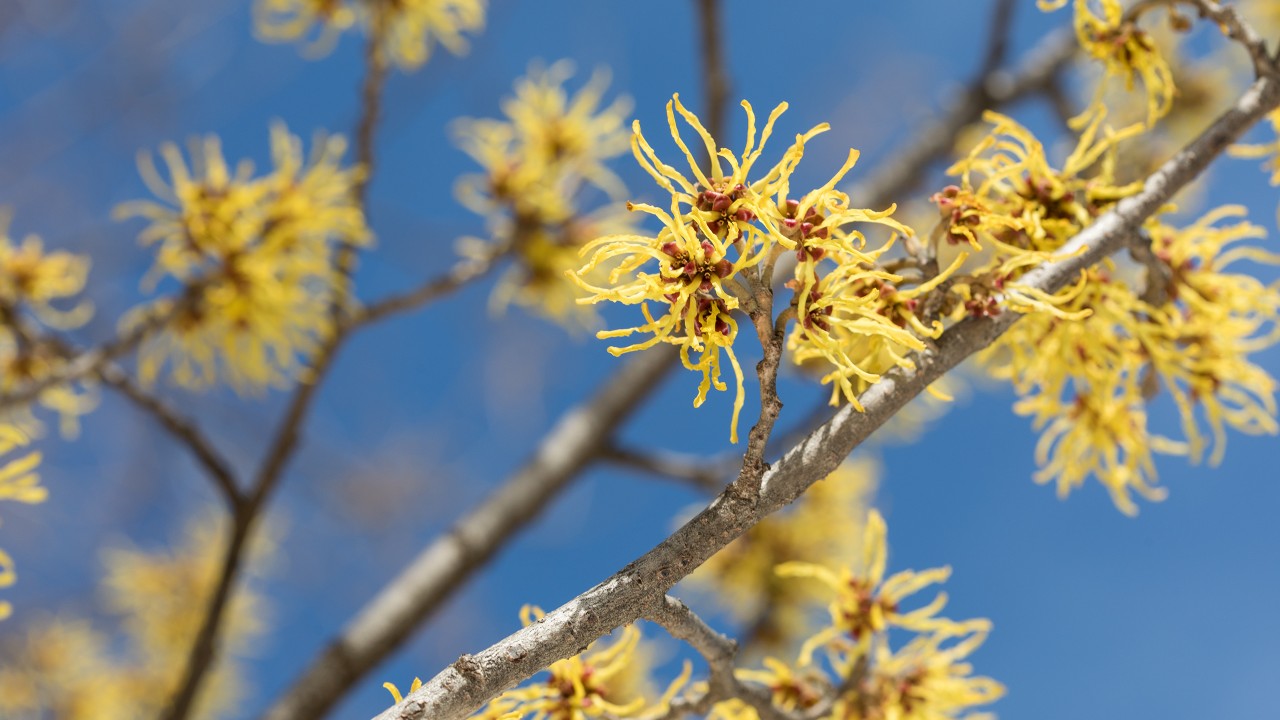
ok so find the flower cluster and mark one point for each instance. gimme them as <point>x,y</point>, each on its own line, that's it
<point>926,678</point>
<point>721,235</point>
<point>605,681</point>
<point>816,530</point>
<point>541,163</point>
<point>253,257</point>
<point>18,483</point>
<point>33,284</point>
<point>405,30</point>
<point>1089,358</point>
<point>1126,52</point>
<point>64,667</point>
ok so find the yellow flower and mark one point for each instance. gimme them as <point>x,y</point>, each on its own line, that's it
<point>926,680</point>
<point>820,528</point>
<point>539,162</point>
<point>33,284</point>
<point>790,690</point>
<point>287,20</point>
<point>75,672</point>
<point>602,682</point>
<point>254,257</point>
<point>18,483</point>
<point>1125,51</point>
<point>866,602</point>
<point>724,229</point>
<point>1221,319</point>
<point>406,30</point>
<point>1086,382</point>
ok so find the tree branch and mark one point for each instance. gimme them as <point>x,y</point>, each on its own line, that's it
<point>708,475</point>
<point>471,681</point>
<point>182,429</point>
<point>720,652</point>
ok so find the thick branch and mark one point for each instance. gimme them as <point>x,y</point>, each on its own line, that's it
<point>474,679</point>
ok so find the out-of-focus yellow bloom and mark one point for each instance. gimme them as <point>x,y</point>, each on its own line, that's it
<point>1125,51</point>
<point>790,690</point>
<point>406,30</point>
<point>867,603</point>
<point>927,679</point>
<point>74,672</point>
<point>254,257</point>
<point>18,483</point>
<point>722,227</point>
<point>541,163</point>
<point>320,20</point>
<point>33,283</point>
<point>822,528</point>
<point>602,682</point>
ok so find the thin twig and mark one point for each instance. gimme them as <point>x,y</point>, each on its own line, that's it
<point>90,362</point>
<point>462,273</point>
<point>698,472</point>
<point>720,652</point>
<point>471,681</point>
<point>182,429</point>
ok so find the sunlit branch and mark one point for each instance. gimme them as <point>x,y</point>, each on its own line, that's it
<point>468,683</point>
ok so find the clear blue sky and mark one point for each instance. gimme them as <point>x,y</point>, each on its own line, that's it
<point>1170,614</point>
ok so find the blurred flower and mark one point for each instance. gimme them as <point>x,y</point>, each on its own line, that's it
<point>865,601</point>
<point>1125,51</point>
<point>32,281</point>
<point>406,30</point>
<point>67,669</point>
<point>18,483</point>
<point>254,257</point>
<point>541,163</point>
<point>924,680</point>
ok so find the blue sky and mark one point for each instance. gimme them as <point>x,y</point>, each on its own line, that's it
<point>1170,614</point>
